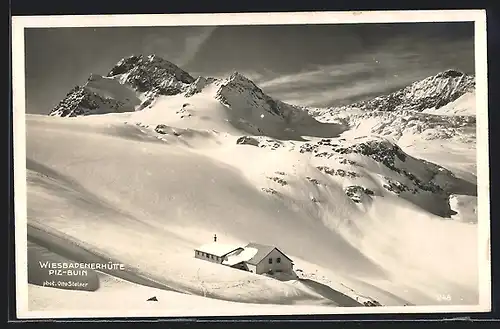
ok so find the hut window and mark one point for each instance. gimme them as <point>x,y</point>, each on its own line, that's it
<point>270,260</point>
<point>278,260</point>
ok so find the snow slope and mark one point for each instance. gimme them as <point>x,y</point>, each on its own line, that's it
<point>463,105</point>
<point>133,302</point>
<point>363,218</point>
<point>173,182</point>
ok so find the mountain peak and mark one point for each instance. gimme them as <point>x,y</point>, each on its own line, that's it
<point>150,75</point>
<point>151,72</point>
<point>126,63</point>
<point>451,73</point>
<point>240,81</point>
<point>238,77</point>
<point>431,92</point>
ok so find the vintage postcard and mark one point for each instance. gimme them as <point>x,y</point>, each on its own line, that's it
<point>251,164</point>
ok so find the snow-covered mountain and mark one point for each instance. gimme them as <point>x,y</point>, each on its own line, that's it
<point>439,108</point>
<point>151,72</point>
<point>132,84</point>
<point>433,92</point>
<point>150,77</point>
<point>350,193</point>
<point>391,114</point>
<point>445,100</point>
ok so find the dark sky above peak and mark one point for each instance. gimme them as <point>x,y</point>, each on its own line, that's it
<point>317,65</point>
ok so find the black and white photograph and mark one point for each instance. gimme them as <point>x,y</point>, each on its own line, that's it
<point>251,164</point>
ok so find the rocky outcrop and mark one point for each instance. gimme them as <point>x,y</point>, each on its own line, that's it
<point>82,101</point>
<point>410,110</point>
<point>247,140</point>
<point>356,193</point>
<point>432,92</point>
<point>239,91</point>
<point>278,180</point>
<point>147,73</point>
<point>149,76</point>
<point>381,151</point>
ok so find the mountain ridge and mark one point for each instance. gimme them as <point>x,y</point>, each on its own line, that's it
<point>152,76</point>
<point>431,92</point>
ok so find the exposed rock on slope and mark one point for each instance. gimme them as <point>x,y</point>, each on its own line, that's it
<point>420,108</point>
<point>82,101</point>
<point>350,162</point>
<point>136,81</point>
<point>239,91</point>
<point>432,92</point>
<point>150,73</point>
<point>132,84</point>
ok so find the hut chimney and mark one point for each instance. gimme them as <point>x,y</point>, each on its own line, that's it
<point>215,237</point>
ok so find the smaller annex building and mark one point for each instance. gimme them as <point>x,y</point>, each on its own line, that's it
<point>254,257</point>
<point>215,252</point>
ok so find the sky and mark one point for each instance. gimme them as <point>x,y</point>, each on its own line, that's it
<point>310,65</point>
